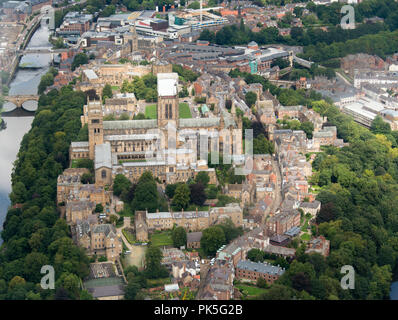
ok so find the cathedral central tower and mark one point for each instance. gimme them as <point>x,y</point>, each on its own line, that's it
<point>167,99</point>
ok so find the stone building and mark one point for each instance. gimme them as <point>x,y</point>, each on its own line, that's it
<point>141,228</point>
<point>248,270</point>
<point>99,239</point>
<point>194,220</point>
<point>193,240</point>
<point>167,146</point>
<point>69,181</point>
<point>243,192</point>
<point>78,210</point>
<point>69,188</point>
<point>283,221</point>
<point>319,245</point>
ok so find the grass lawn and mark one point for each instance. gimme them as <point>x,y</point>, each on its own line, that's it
<point>129,236</point>
<point>115,88</point>
<point>193,208</point>
<point>162,239</point>
<point>185,112</point>
<point>305,225</point>
<point>250,290</point>
<point>158,282</point>
<point>305,237</point>
<point>151,111</point>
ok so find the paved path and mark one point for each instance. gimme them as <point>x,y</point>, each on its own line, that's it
<point>343,78</point>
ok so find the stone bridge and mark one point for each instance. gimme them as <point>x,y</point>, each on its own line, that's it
<point>282,83</point>
<point>19,100</point>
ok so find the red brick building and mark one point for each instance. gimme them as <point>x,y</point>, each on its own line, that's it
<point>252,271</point>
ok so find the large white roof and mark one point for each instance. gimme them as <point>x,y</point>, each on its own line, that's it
<point>167,84</point>
<point>103,156</point>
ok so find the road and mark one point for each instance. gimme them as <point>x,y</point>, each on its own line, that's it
<point>343,78</point>
<point>278,187</point>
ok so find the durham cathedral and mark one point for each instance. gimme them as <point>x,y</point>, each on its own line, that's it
<point>173,149</point>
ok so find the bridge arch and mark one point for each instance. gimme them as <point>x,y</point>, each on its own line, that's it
<point>19,100</point>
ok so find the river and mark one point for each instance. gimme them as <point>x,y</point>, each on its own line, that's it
<point>25,81</point>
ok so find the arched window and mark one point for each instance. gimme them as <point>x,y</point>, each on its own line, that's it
<point>166,111</point>
<point>170,112</point>
<point>103,174</point>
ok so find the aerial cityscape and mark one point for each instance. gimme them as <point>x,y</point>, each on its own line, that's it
<point>199,150</point>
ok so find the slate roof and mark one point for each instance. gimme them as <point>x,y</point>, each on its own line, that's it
<point>130,124</point>
<point>194,236</point>
<point>103,156</point>
<point>260,267</point>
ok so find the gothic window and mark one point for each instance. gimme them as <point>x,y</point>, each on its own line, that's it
<point>103,174</point>
<point>170,112</point>
<point>167,111</point>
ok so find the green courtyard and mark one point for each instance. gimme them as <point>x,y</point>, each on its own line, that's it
<point>184,111</point>
<point>151,111</point>
<point>160,239</point>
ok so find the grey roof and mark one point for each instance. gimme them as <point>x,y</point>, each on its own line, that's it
<point>199,122</point>
<point>130,124</point>
<point>79,144</point>
<point>279,238</point>
<point>313,205</point>
<point>90,74</point>
<point>104,228</point>
<point>80,205</point>
<point>108,291</point>
<point>293,231</point>
<point>260,267</point>
<point>131,137</point>
<point>194,236</point>
<point>103,156</point>
<point>157,215</point>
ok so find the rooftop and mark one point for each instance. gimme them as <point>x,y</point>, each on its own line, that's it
<point>167,84</point>
<point>260,267</point>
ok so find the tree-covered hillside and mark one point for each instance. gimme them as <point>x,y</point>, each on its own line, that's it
<point>34,235</point>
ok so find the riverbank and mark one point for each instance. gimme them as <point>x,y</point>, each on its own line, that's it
<point>16,121</point>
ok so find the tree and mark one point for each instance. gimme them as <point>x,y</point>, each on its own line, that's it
<point>327,213</point>
<point>212,239</point>
<point>203,178</point>
<point>379,286</point>
<point>261,282</point>
<point>300,281</point>
<point>108,11</point>
<point>179,237</point>
<point>120,184</point>
<point>139,116</point>
<point>194,5</point>
<point>197,194</point>
<point>78,60</point>
<point>33,263</point>
<point>181,197</point>
<point>85,295</point>
<point>262,146</point>
<point>255,255</point>
<point>46,81</point>
<point>113,219</point>
<point>99,208</point>
<point>171,189</point>
<point>308,128</point>
<point>131,290</point>
<point>380,126</point>
<point>107,92</point>
<point>278,292</point>
<point>153,258</point>
<point>231,232</point>
<point>146,195</point>
<point>87,178</point>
